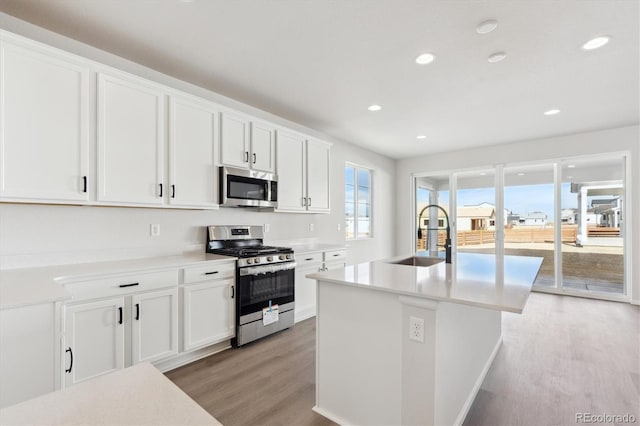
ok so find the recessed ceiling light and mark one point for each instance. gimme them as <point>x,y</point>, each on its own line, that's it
<point>552,112</point>
<point>520,174</point>
<point>425,58</point>
<point>374,107</point>
<point>569,177</point>
<point>421,137</point>
<point>487,26</point>
<point>482,174</point>
<point>571,166</point>
<point>595,43</point>
<point>496,57</point>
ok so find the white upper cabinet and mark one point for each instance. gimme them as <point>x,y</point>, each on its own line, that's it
<point>246,144</point>
<point>318,178</point>
<point>234,140</point>
<point>44,124</point>
<point>192,170</point>
<point>263,147</point>
<point>303,174</point>
<point>291,171</point>
<point>131,126</point>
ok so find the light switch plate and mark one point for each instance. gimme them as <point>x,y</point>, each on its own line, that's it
<point>155,229</point>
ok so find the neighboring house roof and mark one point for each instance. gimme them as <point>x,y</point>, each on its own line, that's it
<point>536,215</point>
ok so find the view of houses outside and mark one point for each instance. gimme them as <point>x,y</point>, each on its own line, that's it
<point>592,222</point>
<point>357,202</point>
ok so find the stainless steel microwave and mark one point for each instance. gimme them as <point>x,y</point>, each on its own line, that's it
<point>247,188</point>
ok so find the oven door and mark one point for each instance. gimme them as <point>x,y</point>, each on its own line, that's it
<point>247,188</point>
<point>259,285</point>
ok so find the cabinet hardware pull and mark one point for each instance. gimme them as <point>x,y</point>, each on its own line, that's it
<point>233,292</point>
<point>211,273</point>
<point>173,191</point>
<point>254,158</point>
<point>137,311</point>
<point>120,311</point>
<point>84,184</point>
<point>309,258</point>
<point>129,285</point>
<point>160,190</point>
<point>304,201</point>
<point>71,363</point>
<point>309,202</point>
<point>336,255</point>
<point>246,156</point>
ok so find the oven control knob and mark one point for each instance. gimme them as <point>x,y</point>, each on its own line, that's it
<point>249,261</point>
<point>256,260</point>
<point>281,257</point>
<point>289,256</point>
<point>270,258</point>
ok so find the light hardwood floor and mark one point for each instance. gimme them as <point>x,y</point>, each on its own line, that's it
<point>564,355</point>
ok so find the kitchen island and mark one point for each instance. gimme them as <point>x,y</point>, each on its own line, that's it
<point>402,344</point>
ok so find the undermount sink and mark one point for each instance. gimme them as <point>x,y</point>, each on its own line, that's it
<point>417,261</point>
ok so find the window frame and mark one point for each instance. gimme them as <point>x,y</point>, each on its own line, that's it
<point>370,171</point>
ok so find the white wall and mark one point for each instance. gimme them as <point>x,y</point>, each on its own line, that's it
<point>590,143</point>
<point>32,235</point>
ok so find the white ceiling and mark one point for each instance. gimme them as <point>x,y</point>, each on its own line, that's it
<point>322,62</point>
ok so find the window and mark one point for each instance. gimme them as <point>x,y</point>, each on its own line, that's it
<point>357,197</point>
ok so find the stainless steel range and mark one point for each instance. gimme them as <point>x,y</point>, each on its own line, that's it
<point>264,281</point>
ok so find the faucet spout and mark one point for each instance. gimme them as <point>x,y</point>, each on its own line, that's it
<point>447,241</point>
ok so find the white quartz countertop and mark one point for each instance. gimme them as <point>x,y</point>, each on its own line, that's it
<point>472,279</point>
<point>32,286</point>
<point>139,395</point>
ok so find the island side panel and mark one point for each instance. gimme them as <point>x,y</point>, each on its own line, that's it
<point>467,340</point>
<point>358,359</point>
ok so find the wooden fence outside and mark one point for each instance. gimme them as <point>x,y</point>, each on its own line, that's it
<point>512,235</point>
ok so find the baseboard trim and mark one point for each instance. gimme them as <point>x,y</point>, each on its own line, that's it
<point>476,387</point>
<point>635,302</point>
<point>330,416</point>
<point>189,357</point>
<point>304,314</point>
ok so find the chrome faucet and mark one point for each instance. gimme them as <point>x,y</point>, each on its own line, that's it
<point>447,241</point>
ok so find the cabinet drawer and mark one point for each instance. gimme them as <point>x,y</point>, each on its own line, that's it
<point>124,284</point>
<point>332,255</point>
<point>213,271</point>
<point>308,258</point>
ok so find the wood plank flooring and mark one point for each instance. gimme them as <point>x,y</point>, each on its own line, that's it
<point>563,356</point>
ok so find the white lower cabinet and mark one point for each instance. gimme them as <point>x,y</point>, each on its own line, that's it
<point>109,334</point>
<point>154,325</point>
<point>94,339</point>
<point>208,313</point>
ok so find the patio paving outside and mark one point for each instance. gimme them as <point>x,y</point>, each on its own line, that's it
<point>591,267</point>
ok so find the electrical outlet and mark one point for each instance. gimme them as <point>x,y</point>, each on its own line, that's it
<point>416,329</point>
<point>311,227</point>
<point>266,227</point>
<point>339,226</point>
<point>155,229</point>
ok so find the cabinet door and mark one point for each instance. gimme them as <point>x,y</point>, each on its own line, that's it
<point>130,141</point>
<point>263,147</point>
<point>154,325</point>
<point>291,171</point>
<point>44,133</point>
<point>318,175</point>
<point>191,152</point>
<point>234,140</point>
<point>305,292</point>
<point>209,313</point>
<point>94,339</point>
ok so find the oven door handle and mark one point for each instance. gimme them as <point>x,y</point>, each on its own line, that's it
<point>267,269</point>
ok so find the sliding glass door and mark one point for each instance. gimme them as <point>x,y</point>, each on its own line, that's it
<point>476,212</point>
<point>530,225</point>
<point>569,212</point>
<point>593,220</point>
